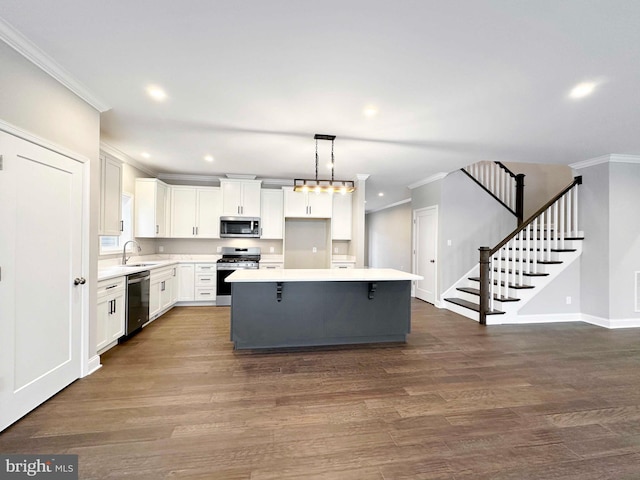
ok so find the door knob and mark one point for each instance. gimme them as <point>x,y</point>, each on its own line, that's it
<point>79,281</point>
<point>432,261</point>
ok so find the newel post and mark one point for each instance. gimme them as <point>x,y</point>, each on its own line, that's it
<point>485,287</point>
<point>520,197</point>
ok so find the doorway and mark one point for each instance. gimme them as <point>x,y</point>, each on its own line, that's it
<point>425,252</point>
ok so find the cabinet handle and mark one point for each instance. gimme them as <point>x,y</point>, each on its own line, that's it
<point>174,271</point>
<point>122,225</point>
<point>205,293</point>
<point>157,229</point>
<point>111,286</point>
<point>193,230</point>
<point>205,268</point>
<point>196,230</point>
<point>162,287</point>
<point>114,306</point>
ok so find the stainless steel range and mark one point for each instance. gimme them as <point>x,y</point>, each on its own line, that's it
<point>233,259</point>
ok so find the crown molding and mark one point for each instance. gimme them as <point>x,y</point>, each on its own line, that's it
<point>38,57</point>
<point>189,178</point>
<point>401,202</point>
<point>612,158</point>
<point>123,157</point>
<point>432,178</point>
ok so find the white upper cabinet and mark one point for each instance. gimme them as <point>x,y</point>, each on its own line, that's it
<point>110,195</point>
<point>307,204</point>
<point>151,209</point>
<point>195,212</point>
<point>240,198</point>
<point>271,213</point>
<point>341,219</point>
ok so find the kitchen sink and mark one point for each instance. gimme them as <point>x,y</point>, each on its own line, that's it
<point>148,264</point>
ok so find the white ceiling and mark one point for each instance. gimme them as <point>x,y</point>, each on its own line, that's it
<point>251,81</point>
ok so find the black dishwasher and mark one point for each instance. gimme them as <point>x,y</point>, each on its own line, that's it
<point>137,301</point>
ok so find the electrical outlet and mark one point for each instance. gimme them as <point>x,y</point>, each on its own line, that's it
<point>448,243</point>
<point>219,249</point>
<point>315,250</point>
<point>160,249</point>
<point>335,250</point>
<point>271,249</point>
<point>568,300</point>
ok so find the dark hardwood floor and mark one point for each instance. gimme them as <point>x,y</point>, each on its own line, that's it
<point>458,401</point>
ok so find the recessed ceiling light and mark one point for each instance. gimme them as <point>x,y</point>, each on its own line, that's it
<point>156,93</point>
<point>381,194</point>
<point>370,111</point>
<point>208,158</point>
<point>582,90</point>
<point>145,155</point>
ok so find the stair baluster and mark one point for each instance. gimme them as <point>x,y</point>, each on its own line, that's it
<point>541,233</point>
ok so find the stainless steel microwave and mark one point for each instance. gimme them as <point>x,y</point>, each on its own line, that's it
<point>240,227</point>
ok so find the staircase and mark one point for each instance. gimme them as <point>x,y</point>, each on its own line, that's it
<point>521,265</point>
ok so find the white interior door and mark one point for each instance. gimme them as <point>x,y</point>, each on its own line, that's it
<point>425,225</point>
<point>40,256</point>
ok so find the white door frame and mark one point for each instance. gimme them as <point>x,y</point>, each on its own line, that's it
<point>89,360</point>
<point>414,249</point>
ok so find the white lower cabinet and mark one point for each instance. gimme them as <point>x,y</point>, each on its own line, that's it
<point>162,285</point>
<point>205,284</point>
<point>111,313</point>
<point>197,282</point>
<point>186,279</point>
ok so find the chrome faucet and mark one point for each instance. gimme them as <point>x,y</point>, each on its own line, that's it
<point>124,251</point>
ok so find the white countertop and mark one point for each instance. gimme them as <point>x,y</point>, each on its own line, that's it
<point>321,275</point>
<point>109,269</point>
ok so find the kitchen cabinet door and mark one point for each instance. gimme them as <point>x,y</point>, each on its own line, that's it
<point>320,205</point>
<point>183,212</point>
<point>186,279</point>
<point>341,218</point>
<point>307,204</point>
<point>110,196</point>
<point>240,198</point>
<point>209,208</point>
<point>151,198</point>
<point>271,213</point>
<point>295,203</point>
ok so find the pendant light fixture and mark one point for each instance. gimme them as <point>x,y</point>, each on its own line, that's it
<point>324,186</point>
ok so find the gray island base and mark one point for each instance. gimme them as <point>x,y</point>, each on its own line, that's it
<point>298,308</point>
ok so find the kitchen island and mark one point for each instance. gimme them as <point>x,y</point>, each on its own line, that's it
<point>310,307</point>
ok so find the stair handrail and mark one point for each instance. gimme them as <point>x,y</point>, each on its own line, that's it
<point>518,178</point>
<point>486,253</point>
<point>576,181</point>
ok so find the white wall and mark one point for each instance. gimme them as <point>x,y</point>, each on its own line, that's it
<point>389,238</point>
<point>610,218</point>
<point>553,298</point>
<point>541,182</point>
<point>470,218</point>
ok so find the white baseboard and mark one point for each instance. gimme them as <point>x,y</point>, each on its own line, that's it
<point>611,322</point>
<point>545,318</point>
<point>93,365</point>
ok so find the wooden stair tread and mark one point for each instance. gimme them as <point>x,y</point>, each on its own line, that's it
<point>471,306</point>
<point>541,262</point>
<point>558,250</point>
<point>475,291</point>
<point>511,285</point>
<point>517,272</point>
